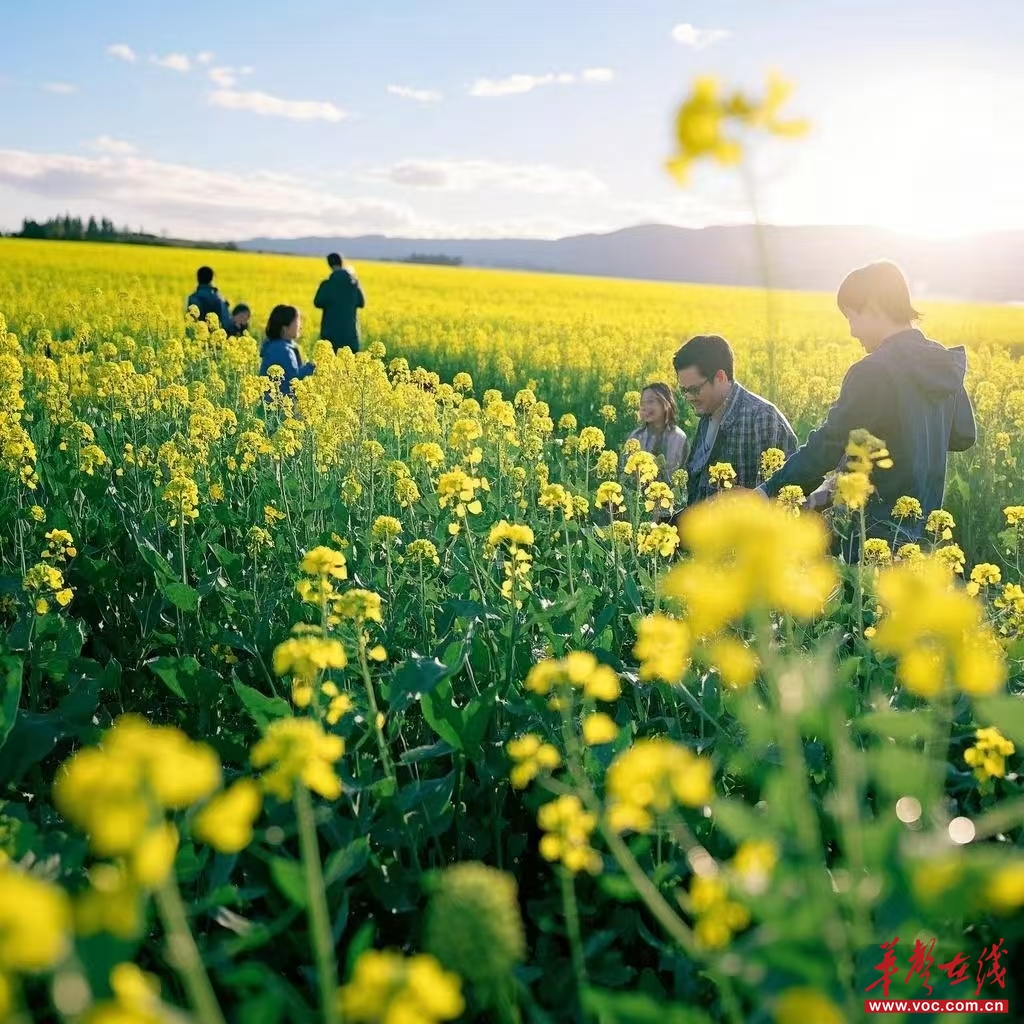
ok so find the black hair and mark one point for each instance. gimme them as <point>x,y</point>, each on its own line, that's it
<point>709,353</point>
<point>240,308</point>
<point>280,318</point>
<point>334,260</point>
<point>204,275</point>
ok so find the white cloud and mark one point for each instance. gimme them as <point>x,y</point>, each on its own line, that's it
<point>61,88</point>
<point>196,202</point>
<point>224,77</point>
<point>698,38</point>
<point>111,146</point>
<point>173,62</point>
<point>273,106</point>
<point>419,95</point>
<point>515,85</point>
<point>123,52</point>
<point>466,175</point>
<point>206,57</point>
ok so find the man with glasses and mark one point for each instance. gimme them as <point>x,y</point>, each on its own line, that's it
<point>735,425</point>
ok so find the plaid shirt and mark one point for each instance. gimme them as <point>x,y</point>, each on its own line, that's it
<point>749,426</point>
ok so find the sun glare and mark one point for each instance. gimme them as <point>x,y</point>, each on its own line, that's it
<point>932,155</point>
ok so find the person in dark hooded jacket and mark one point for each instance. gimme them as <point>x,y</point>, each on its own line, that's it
<point>341,298</point>
<point>908,391</point>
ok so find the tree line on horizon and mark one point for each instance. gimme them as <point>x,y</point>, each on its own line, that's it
<point>74,229</point>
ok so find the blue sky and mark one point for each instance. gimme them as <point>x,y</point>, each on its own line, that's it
<point>524,118</point>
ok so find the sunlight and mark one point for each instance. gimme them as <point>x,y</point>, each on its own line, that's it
<point>931,155</point>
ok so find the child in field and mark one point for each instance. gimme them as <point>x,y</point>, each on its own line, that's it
<point>658,433</point>
<point>908,391</point>
<point>280,349</point>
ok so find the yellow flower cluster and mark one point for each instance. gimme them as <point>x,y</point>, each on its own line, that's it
<point>578,670</point>
<point>567,830</point>
<point>772,460</point>
<point>531,756</point>
<point>703,118</point>
<point>652,777</point>
<point>936,632</point>
<point>46,582</point>
<point>297,750</point>
<point>664,646</point>
<point>388,988</point>
<point>118,793</point>
<point>988,755</point>
<point>722,475</point>
<point>749,555</point>
<point>657,539</point>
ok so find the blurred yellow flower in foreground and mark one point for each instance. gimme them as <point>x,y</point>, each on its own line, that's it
<point>703,119</point>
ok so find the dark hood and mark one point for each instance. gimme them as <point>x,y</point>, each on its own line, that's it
<point>937,371</point>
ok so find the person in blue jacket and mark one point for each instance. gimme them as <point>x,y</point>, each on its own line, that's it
<point>280,349</point>
<point>209,300</point>
<point>908,391</point>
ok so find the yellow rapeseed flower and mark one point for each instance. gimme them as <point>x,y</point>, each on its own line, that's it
<point>567,831</point>
<point>297,750</point>
<point>35,921</point>
<point>650,778</point>
<point>388,988</point>
<point>749,554</point>
<point>226,822</point>
<point>935,631</point>
<point>531,757</point>
<point>988,755</point>
<point>663,647</point>
<point>599,728</point>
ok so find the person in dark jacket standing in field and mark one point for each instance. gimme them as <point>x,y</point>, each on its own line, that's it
<point>908,391</point>
<point>209,300</point>
<point>340,297</point>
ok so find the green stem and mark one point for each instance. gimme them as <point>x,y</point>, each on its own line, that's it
<point>371,697</point>
<point>572,921</point>
<point>319,918</point>
<point>184,954</point>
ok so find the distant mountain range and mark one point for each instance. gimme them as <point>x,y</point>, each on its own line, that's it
<point>984,268</point>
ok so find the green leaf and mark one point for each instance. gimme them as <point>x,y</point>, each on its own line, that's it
<point>177,674</point>
<point>10,693</point>
<point>899,725</point>
<point>346,862</point>
<point>1005,713</point>
<point>228,559</point>
<point>289,878</point>
<point>899,771</point>
<point>738,819</point>
<point>33,737</point>
<point>442,715</point>
<point>362,941</point>
<point>262,708</point>
<point>638,1008</point>
<point>416,676</point>
<point>181,596</point>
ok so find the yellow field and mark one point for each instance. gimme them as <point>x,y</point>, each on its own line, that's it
<point>381,668</point>
<point>570,334</point>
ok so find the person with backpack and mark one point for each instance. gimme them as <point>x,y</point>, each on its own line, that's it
<point>340,297</point>
<point>209,300</point>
